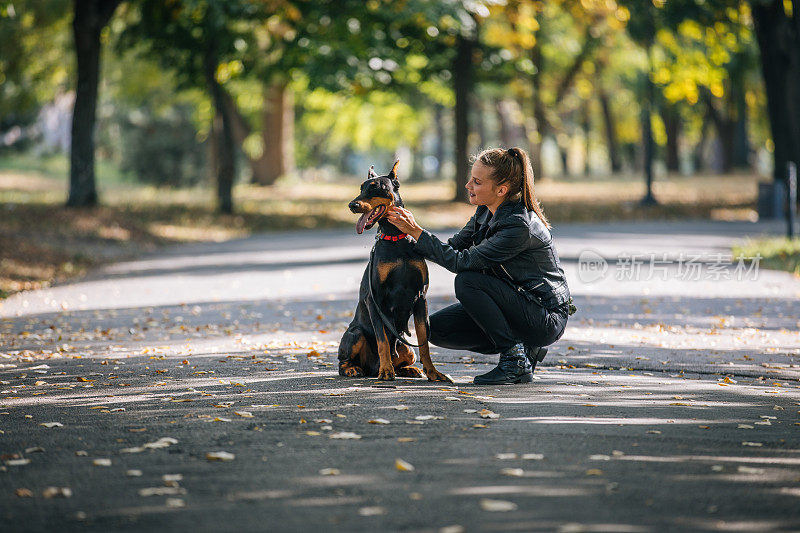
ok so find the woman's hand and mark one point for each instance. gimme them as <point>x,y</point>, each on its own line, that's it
<point>404,221</point>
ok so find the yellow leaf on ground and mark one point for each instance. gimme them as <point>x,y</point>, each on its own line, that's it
<point>403,466</point>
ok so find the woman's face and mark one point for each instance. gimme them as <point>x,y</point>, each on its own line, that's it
<point>481,187</point>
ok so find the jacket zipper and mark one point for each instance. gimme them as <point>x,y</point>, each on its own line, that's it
<point>519,287</point>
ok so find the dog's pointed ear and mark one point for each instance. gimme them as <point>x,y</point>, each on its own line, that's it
<point>393,175</point>
<point>371,174</point>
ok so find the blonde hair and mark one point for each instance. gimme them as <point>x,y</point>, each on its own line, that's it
<point>513,166</point>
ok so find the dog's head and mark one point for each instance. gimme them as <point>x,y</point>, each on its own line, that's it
<point>377,194</point>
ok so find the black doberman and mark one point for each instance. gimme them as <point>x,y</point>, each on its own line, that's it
<point>392,288</point>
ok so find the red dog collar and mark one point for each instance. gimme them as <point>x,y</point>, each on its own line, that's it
<point>394,238</point>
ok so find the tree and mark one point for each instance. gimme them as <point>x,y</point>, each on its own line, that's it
<point>200,40</point>
<point>90,17</point>
<point>777,26</point>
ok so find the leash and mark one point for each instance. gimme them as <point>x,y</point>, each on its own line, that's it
<point>383,317</point>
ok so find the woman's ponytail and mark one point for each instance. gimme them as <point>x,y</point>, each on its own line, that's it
<point>514,166</point>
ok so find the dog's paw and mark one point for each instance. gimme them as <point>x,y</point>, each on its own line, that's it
<point>409,372</point>
<point>352,372</point>
<point>386,374</point>
<point>435,375</point>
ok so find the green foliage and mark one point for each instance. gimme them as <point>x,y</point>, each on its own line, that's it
<point>779,253</point>
<point>377,120</point>
<point>34,63</point>
<point>161,149</point>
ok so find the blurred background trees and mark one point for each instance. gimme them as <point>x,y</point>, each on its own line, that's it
<point>223,91</point>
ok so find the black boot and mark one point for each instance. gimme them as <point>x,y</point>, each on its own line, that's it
<point>535,354</point>
<point>512,368</point>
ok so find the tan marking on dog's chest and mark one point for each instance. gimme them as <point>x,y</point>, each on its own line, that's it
<point>420,265</point>
<point>385,268</point>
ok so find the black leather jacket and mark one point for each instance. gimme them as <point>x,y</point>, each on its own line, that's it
<point>513,244</point>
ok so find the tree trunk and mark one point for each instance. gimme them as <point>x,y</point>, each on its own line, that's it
<point>277,159</point>
<point>697,154</point>
<point>506,128</point>
<point>277,155</point>
<point>90,17</point>
<point>672,125</point>
<point>462,78</point>
<point>538,113</point>
<point>778,44</point>
<point>741,146</point>
<point>480,124</point>
<point>611,131</point>
<point>586,111</point>
<point>647,131</point>
<point>438,117</point>
<point>225,148</point>
<point>725,127</point>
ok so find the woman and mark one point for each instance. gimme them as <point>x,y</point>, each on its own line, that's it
<point>512,292</point>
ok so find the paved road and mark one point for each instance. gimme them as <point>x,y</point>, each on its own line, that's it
<point>671,402</point>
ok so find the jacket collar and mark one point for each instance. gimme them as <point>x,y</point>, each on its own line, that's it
<point>503,210</point>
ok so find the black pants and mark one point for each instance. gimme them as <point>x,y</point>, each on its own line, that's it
<point>492,316</point>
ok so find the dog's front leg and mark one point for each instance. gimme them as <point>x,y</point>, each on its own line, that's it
<point>421,326</point>
<point>386,369</point>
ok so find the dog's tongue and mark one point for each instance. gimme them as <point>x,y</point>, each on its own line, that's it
<point>362,221</point>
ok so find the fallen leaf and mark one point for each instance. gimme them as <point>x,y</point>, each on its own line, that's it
<point>497,506</point>
<point>594,472</point>
<point>512,472</point>
<point>244,414</point>
<point>24,493</point>
<point>161,491</point>
<point>329,472</point>
<point>220,456</point>
<point>750,470</point>
<point>18,462</point>
<point>403,466</point>
<point>345,435</point>
<point>102,462</point>
<point>755,444</point>
<point>57,492</point>
<point>371,511</point>
<point>52,424</point>
<point>485,413</point>
<point>382,421</point>
<point>133,473</point>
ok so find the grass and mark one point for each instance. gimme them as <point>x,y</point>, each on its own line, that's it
<point>777,253</point>
<point>42,242</point>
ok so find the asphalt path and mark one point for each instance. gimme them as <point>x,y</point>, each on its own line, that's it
<point>671,403</point>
